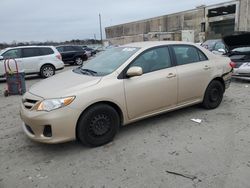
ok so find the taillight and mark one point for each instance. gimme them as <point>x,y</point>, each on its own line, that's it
<point>232,64</point>
<point>59,56</point>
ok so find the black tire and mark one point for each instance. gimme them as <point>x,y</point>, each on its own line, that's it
<point>98,125</point>
<point>78,61</point>
<point>213,95</point>
<point>6,93</point>
<point>47,71</point>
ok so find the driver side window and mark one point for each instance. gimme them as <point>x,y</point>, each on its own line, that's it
<point>153,60</point>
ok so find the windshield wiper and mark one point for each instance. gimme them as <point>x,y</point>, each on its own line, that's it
<point>88,71</point>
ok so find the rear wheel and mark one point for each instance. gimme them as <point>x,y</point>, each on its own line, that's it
<point>47,71</point>
<point>98,125</point>
<point>213,95</point>
<point>78,61</point>
<point>6,93</point>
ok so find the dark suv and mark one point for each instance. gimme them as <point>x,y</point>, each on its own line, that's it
<point>72,54</point>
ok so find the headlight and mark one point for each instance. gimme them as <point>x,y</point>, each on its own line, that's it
<point>52,104</point>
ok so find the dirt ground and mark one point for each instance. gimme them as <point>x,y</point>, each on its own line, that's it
<point>214,153</point>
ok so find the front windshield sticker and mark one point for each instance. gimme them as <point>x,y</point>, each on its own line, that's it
<point>129,49</point>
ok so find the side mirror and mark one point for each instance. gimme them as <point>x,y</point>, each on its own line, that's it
<point>134,71</point>
<point>222,51</point>
<point>1,58</point>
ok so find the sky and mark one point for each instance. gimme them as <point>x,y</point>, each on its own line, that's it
<point>60,20</point>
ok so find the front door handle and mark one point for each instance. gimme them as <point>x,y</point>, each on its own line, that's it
<point>206,67</point>
<point>171,75</point>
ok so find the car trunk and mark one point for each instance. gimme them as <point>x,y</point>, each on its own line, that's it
<point>233,42</point>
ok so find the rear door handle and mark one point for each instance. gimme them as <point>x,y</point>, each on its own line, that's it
<point>206,67</point>
<point>171,75</point>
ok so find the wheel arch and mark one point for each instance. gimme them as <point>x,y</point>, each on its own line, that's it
<point>42,65</point>
<point>220,79</point>
<point>112,104</point>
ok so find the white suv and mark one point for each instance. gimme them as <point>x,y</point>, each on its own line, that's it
<point>42,60</point>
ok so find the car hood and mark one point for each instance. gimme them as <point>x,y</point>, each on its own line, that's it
<point>63,84</point>
<point>237,40</point>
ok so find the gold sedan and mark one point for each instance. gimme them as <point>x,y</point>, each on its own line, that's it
<point>120,86</point>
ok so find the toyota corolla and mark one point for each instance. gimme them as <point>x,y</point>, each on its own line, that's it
<point>120,86</point>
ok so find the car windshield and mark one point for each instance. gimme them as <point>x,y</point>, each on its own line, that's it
<point>209,43</point>
<point>108,61</point>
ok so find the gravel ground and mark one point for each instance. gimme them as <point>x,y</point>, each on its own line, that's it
<point>214,153</point>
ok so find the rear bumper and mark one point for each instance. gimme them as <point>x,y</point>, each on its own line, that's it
<point>241,75</point>
<point>227,78</point>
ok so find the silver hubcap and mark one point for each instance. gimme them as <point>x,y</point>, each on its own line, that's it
<point>48,71</point>
<point>79,61</point>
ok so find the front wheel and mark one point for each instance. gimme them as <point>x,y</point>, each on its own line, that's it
<point>47,71</point>
<point>213,95</point>
<point>98,125</point>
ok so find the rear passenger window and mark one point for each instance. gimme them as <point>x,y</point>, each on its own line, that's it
<point>46,51</point>
<point>202,56</point>
<point>30,52</point>
<point>186,54</point>
<point>78,48</point>
<point>68,48</point>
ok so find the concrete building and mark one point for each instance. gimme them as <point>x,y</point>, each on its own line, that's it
<point>204,22</point>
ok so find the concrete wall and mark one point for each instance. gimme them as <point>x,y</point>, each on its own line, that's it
<point>171,25</point>
<point>188,20</point>
<point>244,15</point>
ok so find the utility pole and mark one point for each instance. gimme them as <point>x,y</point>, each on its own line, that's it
<point>95,38</point>
<point>100,22</point>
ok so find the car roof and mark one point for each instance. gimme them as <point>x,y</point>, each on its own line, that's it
<point>150,44</point>
<point>68,45</point>
<point>17,47</point>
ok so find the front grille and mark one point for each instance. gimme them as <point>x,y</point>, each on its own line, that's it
<point>29,103</point>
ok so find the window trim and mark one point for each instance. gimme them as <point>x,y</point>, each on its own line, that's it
<point>188,45</point>
<point>123,75</point>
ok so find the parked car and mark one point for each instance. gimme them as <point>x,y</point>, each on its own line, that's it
<point>238,46</point>
<point>88,53</point>
<point>42,60</point>
<point>120,86</point>
<point>90,50</point>
<point>72,54</point>
<point>216,46</point>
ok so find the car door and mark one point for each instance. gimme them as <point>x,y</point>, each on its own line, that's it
<point>194,72</point>
<point>68,53</point>
<point>31,57</point>
<point>13,54</point>
<point>156,88</point>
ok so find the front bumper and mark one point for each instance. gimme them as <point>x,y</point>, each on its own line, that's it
<point>62,123</point>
